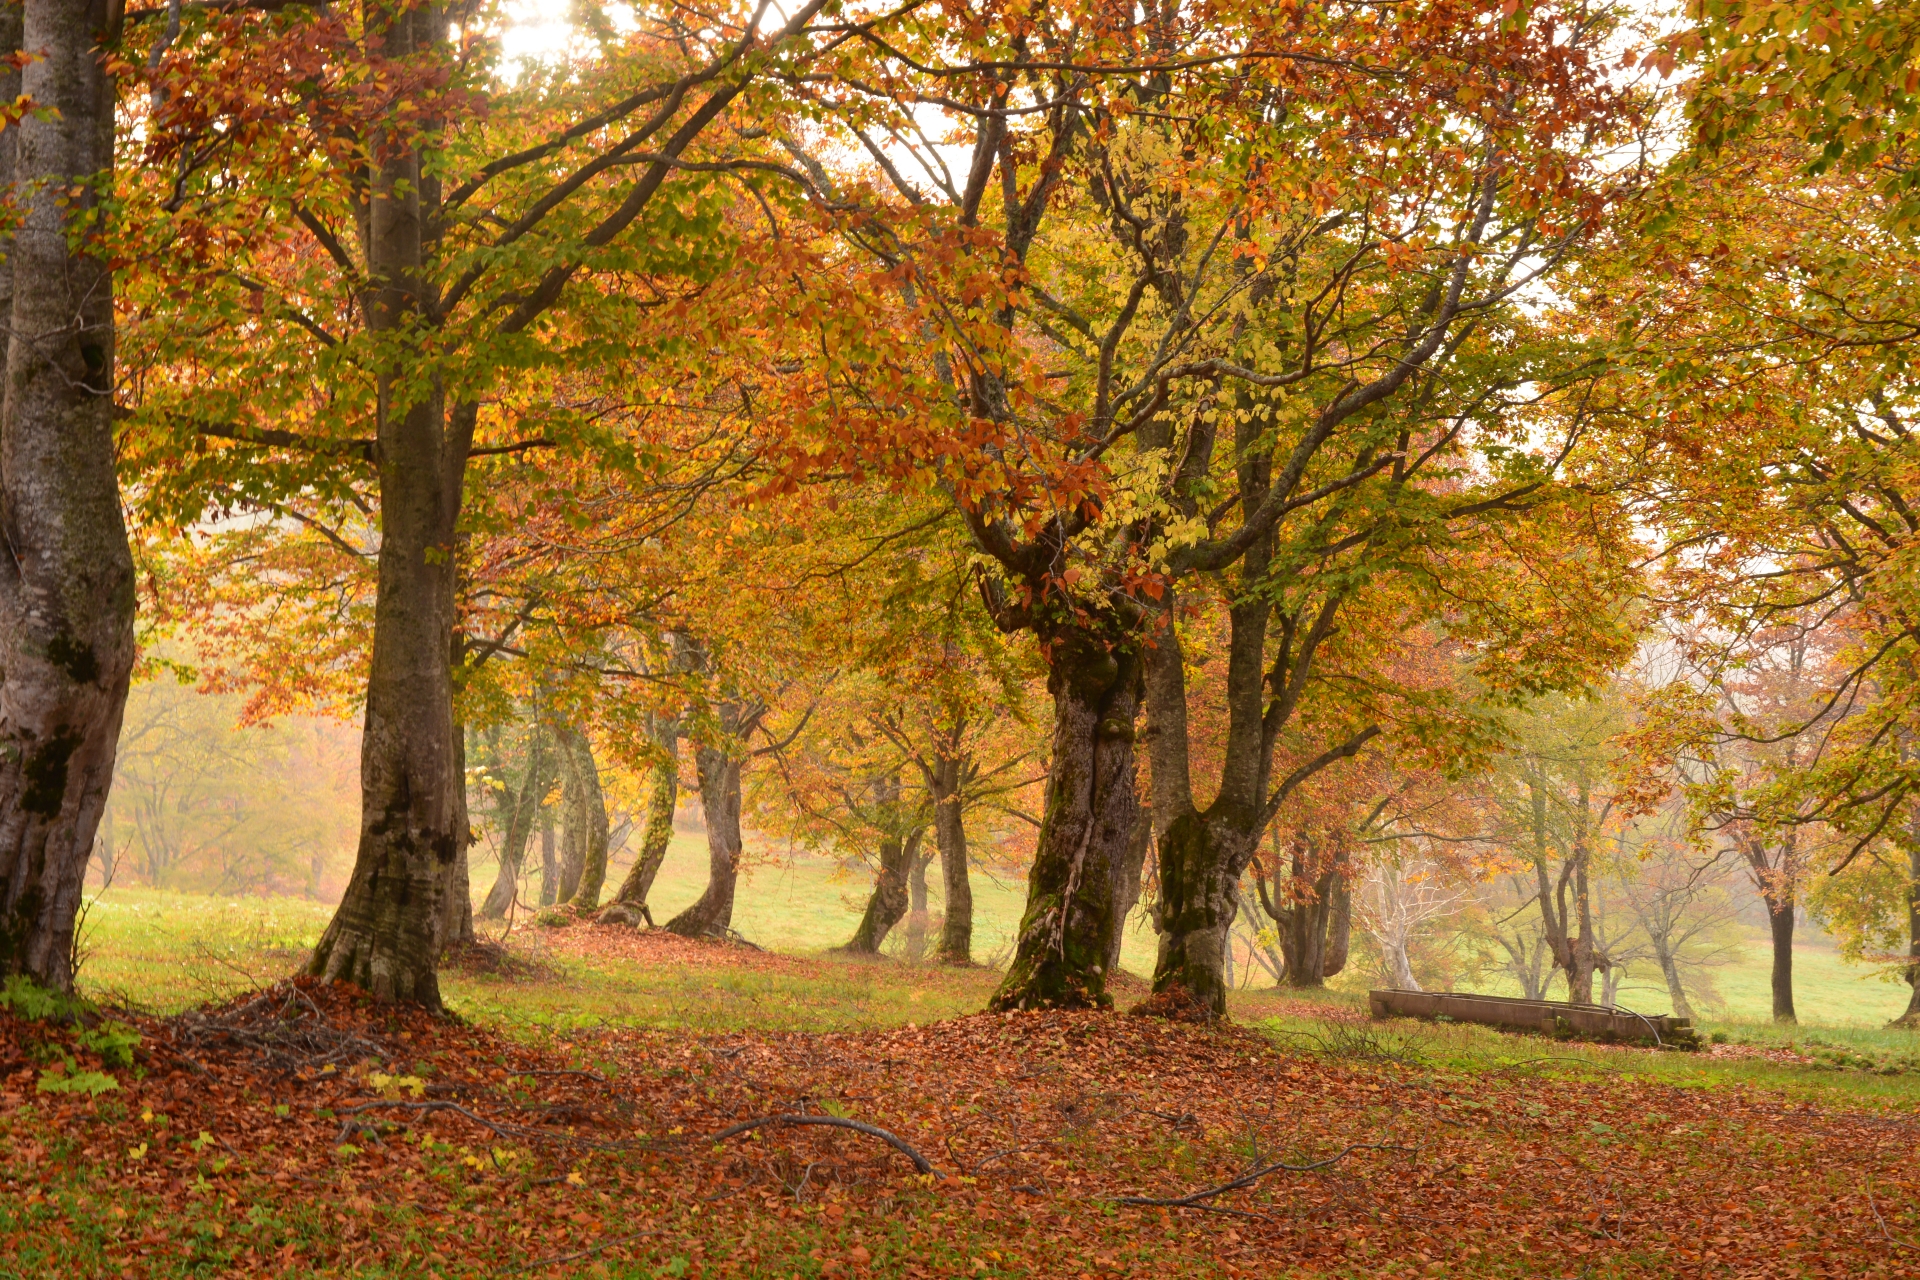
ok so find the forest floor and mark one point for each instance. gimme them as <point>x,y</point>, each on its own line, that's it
<point>300,1130</point>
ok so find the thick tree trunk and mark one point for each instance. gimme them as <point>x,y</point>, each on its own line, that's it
<point>1200,860</point>
<point>1060,952</point>
<point>1333,956</point>
<point>521,812</point>
<point>629,905</point>
<point>889,900</point>
<point>386,935</point>
<point>950,837</point>
<point>916,948</point>
<point>712,914</point>
<point>590,811</point>
<point>66,580</point>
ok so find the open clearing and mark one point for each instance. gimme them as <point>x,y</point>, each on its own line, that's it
<point>568,1130</point>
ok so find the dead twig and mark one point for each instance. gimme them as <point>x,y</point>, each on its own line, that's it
<point>920,1163</point>
<point>587,1252</point>
<point>1890,1237</point>
<point>1196,1199</point>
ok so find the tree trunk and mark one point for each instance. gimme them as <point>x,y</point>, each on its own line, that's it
<point>1126,881</point>
<point>1670,970</point>
<point>67,582</point>
<point>1060,952</point>
<point>1777,893</point>
<point>1780,924</point>
<point>1199,880</point>
<point>521,812</point>
<point>1911,1018</point>
<point>590,810</point>
<point>665,794</point>
<point>386,935</point>
<point>1339,934</point>
<point>917,906</point>
<point>456,908</point>
<point>712,914</point>
<point>888,901</point>
<point>549,861</point>
<point>950,838</point>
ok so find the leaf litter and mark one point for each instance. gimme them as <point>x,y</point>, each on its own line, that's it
<point>305,1130</point>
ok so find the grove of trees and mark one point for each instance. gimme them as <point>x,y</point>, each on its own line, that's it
<point>1424,485</point>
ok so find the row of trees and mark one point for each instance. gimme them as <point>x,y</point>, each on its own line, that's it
<point>1296,393</point>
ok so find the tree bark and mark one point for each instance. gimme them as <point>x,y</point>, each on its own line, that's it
<point>521,812</point>
<point>950,838</point>
<point>1911,1018</point>
<point>916,948</point>
<point>889,900</point>
<point>1126,881</point>
<point>549,861</point>
<point>1780,925</point>
<point>712,914</point>
<point>589,811</point>
<point>386,935</point>
<point>1060,952</point>
<point>1777,892</point>
<point>631,900</point>
<point>67,580</point>
<point>456,908</point>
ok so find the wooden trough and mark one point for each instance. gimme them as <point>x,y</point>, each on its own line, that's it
<point>1549,1017</point>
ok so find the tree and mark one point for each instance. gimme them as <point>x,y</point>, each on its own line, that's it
<point>1398,898</point>
<point>1674,891</point>
<point>1163,389</point>
<point>422,252</point>
<point>67,582</point>
<point>1557,799</point>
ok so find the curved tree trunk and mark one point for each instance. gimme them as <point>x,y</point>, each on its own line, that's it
<point>387,933</point>
<point>589,810</point>
<point>1060,952</point>
<point>631,900</point>
<point>888,901</point>
<point>66,580</point>
<point>950,839</point>
<point>712,914</point>
<point>521,812</point>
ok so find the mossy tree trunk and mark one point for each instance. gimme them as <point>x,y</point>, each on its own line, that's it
<point>662,797</point>
<point>718,768</point>
<point>916,948</point>
<point>522,809</point>
<point>946,783</point>
<point>1066,932</point>
<point>888,902</point>
<point>389,929</point>
<point>587,811</point>
<point>66,578</point>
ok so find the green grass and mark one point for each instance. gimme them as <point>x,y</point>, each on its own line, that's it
<point>1301,1019</point>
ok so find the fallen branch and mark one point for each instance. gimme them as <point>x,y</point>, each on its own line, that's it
<point>920,1162</point>
<point>587,1252</point>
<point>1890,1237</point>
<point>1193,1200</point>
